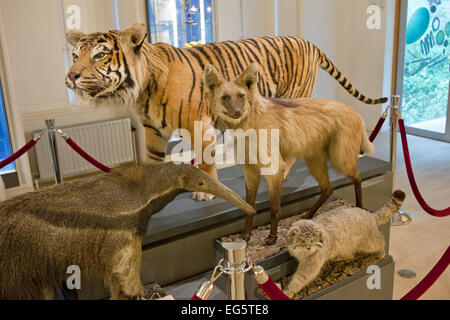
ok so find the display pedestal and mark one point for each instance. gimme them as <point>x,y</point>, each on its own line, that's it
<point>179,243</point>
<point>353,287</point>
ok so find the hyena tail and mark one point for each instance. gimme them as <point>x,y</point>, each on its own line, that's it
<point>367,147</point>
<point>328,66</point>
<point>385,213</point>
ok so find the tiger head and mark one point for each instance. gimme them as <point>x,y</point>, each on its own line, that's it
<point>104,64</point>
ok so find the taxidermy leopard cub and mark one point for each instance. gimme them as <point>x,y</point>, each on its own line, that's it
<point>336,234</point>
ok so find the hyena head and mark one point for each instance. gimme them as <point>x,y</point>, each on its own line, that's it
<point>104,64</point>
<point>230,100</point>
<point>304,238</point>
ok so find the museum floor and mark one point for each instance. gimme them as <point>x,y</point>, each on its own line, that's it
<point>419,245</point>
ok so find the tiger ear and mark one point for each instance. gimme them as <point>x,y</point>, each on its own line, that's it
<point>211,78</point>
<point>249,77</point>
<point>73,36</point>
<point>135,35</point>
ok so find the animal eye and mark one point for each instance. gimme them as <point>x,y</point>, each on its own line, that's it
<point>201,183</point>
<point>226,98</point>
<point>99,55</point>
<point>241,96</point>
<point>74,56</point>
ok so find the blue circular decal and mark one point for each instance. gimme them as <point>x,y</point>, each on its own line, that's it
<point>417,25</point>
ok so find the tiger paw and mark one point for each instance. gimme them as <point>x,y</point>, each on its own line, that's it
<point>202,196</point>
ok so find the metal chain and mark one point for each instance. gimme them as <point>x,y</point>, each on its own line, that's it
<point>213,276</point>
<point>227,268</point>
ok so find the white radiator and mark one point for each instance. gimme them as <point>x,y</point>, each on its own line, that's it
<point>109,142</point>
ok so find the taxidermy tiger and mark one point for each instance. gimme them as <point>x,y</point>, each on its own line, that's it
<point>336,234</point>
<point>164,83</point>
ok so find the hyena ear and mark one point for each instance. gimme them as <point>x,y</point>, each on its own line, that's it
<point>249,77</point>
<point>211,78</point>
<point>73,36</point>
<point>134,35</point>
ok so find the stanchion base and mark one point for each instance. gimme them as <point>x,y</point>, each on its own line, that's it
<point>408,274</point>
<point>401,218</point>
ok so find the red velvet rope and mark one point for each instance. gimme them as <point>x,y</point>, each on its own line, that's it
<point>87,157</point>
<point>272,290</point>
<point>30,144</point>
<point>430,278</point>
<point>412,180</point>
<point>377,128</point>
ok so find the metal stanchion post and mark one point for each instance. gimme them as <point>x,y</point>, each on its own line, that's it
<point>51,130</point>
<point>235,259</point>
<point>400,218</point>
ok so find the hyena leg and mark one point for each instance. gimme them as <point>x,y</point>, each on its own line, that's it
<point>274,186</point>
<point>252,176</point>
<point>347,162</point>
<point>356,178</point>
<point>318,168</point>
<point>207,165</point>
<point>155,143</point>
<point>126,272</point>
<point>288,169</point>
<point>212,171</point>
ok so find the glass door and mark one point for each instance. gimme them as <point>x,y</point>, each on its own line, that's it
<point>424,67</point>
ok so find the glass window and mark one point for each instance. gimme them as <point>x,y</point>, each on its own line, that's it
<point>427,65</point>
<point>5,141</point>
<point>180,23</point>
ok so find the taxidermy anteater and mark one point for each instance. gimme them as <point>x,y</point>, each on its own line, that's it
<point>315,129</point>
<point>96,223</point>
<point>336,234</point>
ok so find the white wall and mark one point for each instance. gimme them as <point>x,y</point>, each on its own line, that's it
<point>239,19</point>
<point>259,20</point>
<point>288,21</point>
<point>229,20</point>
<point>339,28</point>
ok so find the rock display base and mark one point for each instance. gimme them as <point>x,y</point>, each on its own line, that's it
<point>255,248</point>
<point>331,273</point>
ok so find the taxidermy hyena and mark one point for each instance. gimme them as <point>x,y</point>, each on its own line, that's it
<point>336,234</point>
<point>315,129</point>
